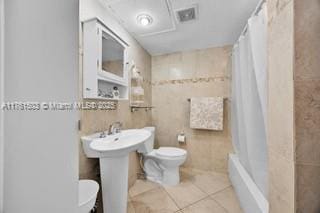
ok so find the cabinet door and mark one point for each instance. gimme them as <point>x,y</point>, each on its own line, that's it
<point>91,47</point>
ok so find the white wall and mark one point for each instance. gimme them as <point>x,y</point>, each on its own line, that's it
<point>1,99</point>
<point>41,64</point>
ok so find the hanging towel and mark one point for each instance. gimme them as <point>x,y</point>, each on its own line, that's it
<point>206,113</point>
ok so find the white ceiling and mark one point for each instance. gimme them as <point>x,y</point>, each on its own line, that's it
<point>219,23</point>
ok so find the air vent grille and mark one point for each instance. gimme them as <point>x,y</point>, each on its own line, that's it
<point>185,15</point>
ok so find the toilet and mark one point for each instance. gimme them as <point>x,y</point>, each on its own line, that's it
<point>88,190</point>
<point>161,165</point>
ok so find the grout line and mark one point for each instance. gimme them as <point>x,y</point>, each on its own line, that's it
<point>172,199</point>
<point>181,209</point>
<point>158,186</point>
<point>200,189</point>
<point>195,202</point>
<point>218,201</point>
<point>220,205</point>
<point>143,192</point>
<point>220,191</point>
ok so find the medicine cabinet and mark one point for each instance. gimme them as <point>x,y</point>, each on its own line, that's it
<point>105,62</point>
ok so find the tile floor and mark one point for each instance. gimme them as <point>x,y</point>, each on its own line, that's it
<point>198,192</point>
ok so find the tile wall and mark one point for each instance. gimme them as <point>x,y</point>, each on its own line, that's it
<point>281,106</point>
<point>307,104</point>
<point>179,76</point>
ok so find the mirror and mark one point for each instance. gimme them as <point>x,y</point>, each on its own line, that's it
<point>112,56</point>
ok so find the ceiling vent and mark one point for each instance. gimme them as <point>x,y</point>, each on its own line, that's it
<point>187,14</point>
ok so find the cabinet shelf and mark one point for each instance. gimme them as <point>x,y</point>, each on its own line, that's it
<point>112,78</point>
<point>109,99</point>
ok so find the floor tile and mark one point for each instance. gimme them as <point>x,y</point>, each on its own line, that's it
<point>207,205</point>
<point>185,193</point>
<point>154,201</point>
<point>228,199</point>
<point>211,182</point>
<point>141,186</point>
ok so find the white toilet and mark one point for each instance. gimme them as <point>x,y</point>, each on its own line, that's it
<point>162,165</point>
<point>88,190</point>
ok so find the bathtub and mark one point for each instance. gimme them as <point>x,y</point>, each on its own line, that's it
<point>249,195</point>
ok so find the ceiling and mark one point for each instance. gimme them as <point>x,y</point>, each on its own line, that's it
<point>218,22</point>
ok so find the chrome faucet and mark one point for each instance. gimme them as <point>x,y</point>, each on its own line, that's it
<point>115,127</point>
<point>102,135</point>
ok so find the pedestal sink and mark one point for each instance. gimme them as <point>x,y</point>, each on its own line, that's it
<point>113,152</point>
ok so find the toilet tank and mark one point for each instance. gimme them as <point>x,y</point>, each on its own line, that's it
<point>148,145</point>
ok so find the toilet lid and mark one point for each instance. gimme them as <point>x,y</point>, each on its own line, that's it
<point>88,189</point>
<point>170,152</point>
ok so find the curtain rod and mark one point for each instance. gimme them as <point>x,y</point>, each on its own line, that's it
<point>255,12</point>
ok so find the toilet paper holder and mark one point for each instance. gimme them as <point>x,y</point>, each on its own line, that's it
<point>182,138</point>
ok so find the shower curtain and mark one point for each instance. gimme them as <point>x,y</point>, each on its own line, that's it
<point>249,99</point>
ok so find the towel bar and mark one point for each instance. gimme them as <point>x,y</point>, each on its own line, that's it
<point>189,99</point>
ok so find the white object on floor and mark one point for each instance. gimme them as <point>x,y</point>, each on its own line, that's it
<point>162,165</point>
<point>88,190</point>
<point>206,113</point>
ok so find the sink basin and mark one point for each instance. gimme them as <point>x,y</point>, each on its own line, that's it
<point>114,145</point>
<point>113,152</point>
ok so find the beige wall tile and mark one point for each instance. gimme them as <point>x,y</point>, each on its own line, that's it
<point>307,42</point>
<point>307,104</point>
<point>308,189</point>
<point>281,106</point>
<point>160,72</point>
<point>307,112</point>
<point>206,149</point>
<point>275,7</point>
<point>213,62</point>
<point>277,204</point>
<point>281,181</point>
<point>280,101</point>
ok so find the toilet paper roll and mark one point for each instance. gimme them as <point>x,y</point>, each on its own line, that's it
<point>181,138</point>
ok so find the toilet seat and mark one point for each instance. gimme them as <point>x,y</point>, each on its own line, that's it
<point>170,152</point>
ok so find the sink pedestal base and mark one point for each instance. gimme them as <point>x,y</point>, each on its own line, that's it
<point>114,181</point>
